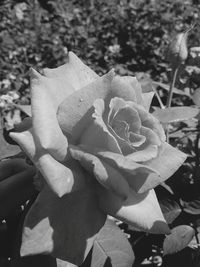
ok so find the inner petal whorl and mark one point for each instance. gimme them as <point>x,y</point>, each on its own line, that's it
<point>121,128</point>
<point>131,117</point>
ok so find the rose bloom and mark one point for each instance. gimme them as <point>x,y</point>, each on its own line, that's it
<point>98,152</point>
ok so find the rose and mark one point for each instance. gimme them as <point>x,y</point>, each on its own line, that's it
<point>120,136</point>
<point>84,126</point>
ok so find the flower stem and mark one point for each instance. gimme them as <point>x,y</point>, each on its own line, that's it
<point>158,97</point>
<point>169,98</point>
<point>174,75</point>
<point>196,236</point>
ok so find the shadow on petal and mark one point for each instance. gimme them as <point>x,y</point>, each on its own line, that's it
<point>63,227</point>
<point>142,211</point>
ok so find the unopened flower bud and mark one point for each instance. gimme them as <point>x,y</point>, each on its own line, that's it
<point>177,51</point>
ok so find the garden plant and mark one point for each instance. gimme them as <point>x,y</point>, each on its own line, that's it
<point>99,155</point>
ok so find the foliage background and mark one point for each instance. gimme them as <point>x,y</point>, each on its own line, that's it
<point>130,36</point>
<point>127,35</point>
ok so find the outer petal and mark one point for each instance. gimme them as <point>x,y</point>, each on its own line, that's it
<point>74,113</point>
<point>139,177</point>
<point>74,110</point>
<point>123,89</point>
<point>168,161</point>
<point>25,141</point>
<point>74,71</point>
<point>106,175</point>
<point>58,176</point>
<point>63,227</point>
<point>133,82</point>
<point>139,210</point>
<point>148,153</point>
<point>46,96</point>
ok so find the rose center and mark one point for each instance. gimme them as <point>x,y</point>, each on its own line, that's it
<point>126,124</point>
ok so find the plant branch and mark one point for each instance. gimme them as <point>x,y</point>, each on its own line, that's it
<point>158,97</point>
<point>197,150</point>
<point>171,88</point>
<point>196,235</point>
<point>170,95</point>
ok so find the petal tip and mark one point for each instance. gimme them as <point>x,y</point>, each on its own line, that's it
<point>34,74</point>
<point>23,251</point>
<point>110,75</point>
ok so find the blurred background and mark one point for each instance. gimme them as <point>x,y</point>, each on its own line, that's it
<point>128,35</point>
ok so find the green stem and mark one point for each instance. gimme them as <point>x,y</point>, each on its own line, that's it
<point>197,150</point>
<point>158,97</point>
<point>196,236</point>
<point>169,98</point>
<point>174,75</point>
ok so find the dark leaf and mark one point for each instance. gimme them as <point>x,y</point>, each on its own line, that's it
<point>167,187</point>
<point>179,238</point>
<point>111,248</point>
<point>170,209</point>
<point>15,190</point>
<point>7,150</point>
<point>3,240</point>
<point>33,261</point>
<point>175,114</point>
<point>192,207</point>
<point>196,97</point>
<point>195,241</point>
<point>168,204</point>
<point>25,108</point>
<point>166,87</point>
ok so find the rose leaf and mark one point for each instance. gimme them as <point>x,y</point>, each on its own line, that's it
<point>192,207</point>
<point>169,206</point>
<point>15,190</point>
<point>62,227</point>
<point>179,238</point>
<point>111,245</point>
<point>166,87</point>
<point>32,261</point>
<point>175,114</point>
<point>7,150</point>
<point>25,108</point>
<point>40,261</point>
<point>196,97</point>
